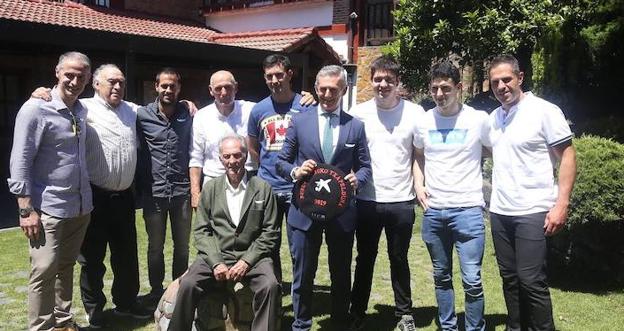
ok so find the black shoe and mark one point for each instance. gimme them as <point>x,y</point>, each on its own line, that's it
<point>69,326</point>
<point>96,322</point>
<point>340,322</point>
<point>150,301</point>
<point>357,324</point>
<point>156,294</point>
<point>135,311</point>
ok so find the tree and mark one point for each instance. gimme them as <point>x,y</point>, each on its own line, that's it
<point>472,30</point>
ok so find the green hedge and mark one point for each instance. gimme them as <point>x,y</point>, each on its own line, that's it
<point>598,194</point>
<point>591,246</point>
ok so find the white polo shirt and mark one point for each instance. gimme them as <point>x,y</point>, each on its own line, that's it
<point>209,126</point>
<point>452,146</point>
<point>523,174</point>
<point>390,135</point>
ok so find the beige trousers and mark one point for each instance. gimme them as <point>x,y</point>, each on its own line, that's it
<point>52,259</point>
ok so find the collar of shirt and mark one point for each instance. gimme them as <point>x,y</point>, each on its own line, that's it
<point>321,112</point>
<point>242,186</point>
<point>179,108</point>
<point>505,117</point>
<point>224,118</point>
<point>58,104</point>
<point>56,101</point>
<point>103,102</point>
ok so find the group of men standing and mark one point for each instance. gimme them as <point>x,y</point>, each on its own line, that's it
<point>235,162</point>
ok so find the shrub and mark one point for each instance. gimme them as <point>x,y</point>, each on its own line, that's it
<point>591,245</point>
<point>598,194</point>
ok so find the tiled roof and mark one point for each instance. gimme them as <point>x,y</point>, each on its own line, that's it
<point>272,40</point>
<point>72,14</point>
<point>80,16</point>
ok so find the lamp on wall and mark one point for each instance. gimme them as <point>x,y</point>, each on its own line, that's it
<point>351,70</point>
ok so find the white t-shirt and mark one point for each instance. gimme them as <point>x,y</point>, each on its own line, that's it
<point>522,176</point>
<point>209,126</point>
<point>390,134</point>
<point>452,146</point>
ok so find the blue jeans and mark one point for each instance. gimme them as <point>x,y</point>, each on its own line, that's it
<point>464,228</point>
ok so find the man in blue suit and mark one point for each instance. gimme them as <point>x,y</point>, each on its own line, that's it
<point>331,136</point>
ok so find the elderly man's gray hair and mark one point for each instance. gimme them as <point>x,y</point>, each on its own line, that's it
<point>98,71</point>
<point>73,56</point>
<point>234,136</point>
<point>333,71</point>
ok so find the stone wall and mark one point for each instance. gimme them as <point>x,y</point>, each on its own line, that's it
<point>182,9</point>
<point>365,56</point>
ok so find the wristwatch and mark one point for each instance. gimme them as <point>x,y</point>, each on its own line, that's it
<point>25,212</point>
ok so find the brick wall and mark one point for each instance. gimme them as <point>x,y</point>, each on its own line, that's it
<point>341,12</point>
<point>366,55</point>
<point>183,9</point>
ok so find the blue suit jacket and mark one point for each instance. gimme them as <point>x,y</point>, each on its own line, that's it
<point>303,143</point>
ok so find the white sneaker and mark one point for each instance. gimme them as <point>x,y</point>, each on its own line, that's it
<point>406,323</point>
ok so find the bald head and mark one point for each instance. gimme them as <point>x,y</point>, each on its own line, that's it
<point>221,76</point>
<point>223,88</point>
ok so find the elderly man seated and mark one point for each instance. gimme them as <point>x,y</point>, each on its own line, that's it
<point>235,233</point>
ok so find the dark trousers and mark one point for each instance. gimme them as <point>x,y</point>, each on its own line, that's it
<point>283,204</point>
<point>304,249</point>
<point>521,250</point>
<point>155,212</point>
<point>397,219</point>
<point>200,281</point>
<point>112,224</point>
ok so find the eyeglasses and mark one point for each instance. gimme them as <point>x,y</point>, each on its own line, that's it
<point>75,123</point>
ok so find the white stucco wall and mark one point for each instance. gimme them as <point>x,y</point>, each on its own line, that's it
<point>339,43</point>
<point>292,15</point>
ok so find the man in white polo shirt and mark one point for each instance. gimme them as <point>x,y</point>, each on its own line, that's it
<point>450,140</point>
<point>528,135</point>
<point>225,116</point>
<point>386,202</point>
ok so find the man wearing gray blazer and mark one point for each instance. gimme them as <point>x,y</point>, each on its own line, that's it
<point>235,233</point>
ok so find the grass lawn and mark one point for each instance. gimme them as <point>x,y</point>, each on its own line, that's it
<point>573,310</point>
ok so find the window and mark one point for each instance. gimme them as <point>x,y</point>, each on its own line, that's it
<point>378,22</point>
<point>101,3</point>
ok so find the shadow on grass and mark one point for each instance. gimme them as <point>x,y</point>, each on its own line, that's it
<point>321,305</point>
<point>383,319</point>
<point>491,321</point>
<point>575,280</point>
<point>117,323</point>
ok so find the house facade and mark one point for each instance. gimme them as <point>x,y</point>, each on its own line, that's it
<point>140,37</point>
<point>355,29</point>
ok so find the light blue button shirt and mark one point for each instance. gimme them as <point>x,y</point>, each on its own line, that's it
<point>48,158</point>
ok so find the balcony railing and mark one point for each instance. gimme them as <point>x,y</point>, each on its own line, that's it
<point>378,22</point>
<point>220,5</point>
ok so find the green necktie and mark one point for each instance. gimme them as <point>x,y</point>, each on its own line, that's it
<point>328,138</point>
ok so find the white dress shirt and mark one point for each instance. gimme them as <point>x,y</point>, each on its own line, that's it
<point>209,126</point>
<point>234,198</point>
<point>111,143</point>
<point>335,125</point>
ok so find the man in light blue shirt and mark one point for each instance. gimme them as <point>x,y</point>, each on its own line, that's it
<point>50,180</point>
